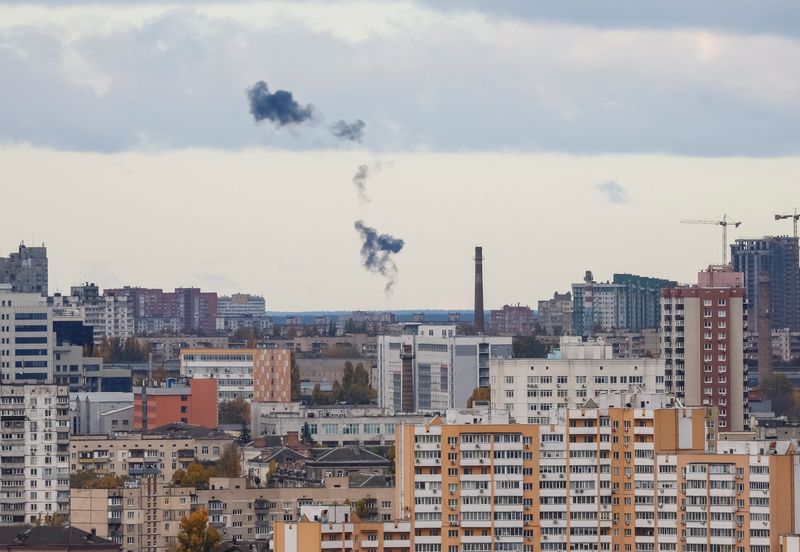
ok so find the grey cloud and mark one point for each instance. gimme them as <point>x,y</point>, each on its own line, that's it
<point>177,81</point>
<point>613,192</point>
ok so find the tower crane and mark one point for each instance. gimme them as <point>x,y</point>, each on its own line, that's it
<point>724,223</point>
<point>794,216</point>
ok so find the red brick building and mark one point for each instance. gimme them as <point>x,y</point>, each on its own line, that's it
<point>193,402</point>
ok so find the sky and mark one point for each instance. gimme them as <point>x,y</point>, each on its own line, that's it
<point>560,136</point>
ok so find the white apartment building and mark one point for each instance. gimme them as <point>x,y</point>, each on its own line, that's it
<point>110,316</point>
<point>35,452</point>
<point>429,368</point>
<point>532,389</point>
<point>26,337</point>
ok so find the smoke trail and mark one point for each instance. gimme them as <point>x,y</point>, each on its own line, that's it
<point>349,131</point>
<point>279,107</point>
<point>377,251</point>
<point>360,181</point>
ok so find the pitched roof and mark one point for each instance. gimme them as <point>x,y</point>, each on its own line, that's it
<point>349,455</point>
<point>33,536</point>
<point>368,480</point>
<point>281,455</point>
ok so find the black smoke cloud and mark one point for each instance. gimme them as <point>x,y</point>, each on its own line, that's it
<point>278,107</point>
<point>377,251</point>
<point>349,131</point>
<point>360,181</point>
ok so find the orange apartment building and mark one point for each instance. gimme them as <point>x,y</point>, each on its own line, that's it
<point>193,402</point>
<point>615,477</point>
<point>252,374</point>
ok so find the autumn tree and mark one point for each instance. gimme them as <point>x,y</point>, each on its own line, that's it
<point>196,535</point>
<point>295,378</point>
<point>479,394</point>
<point>234,411</point>
<point>196,475</point>
<point>230,463</point>
<point>529,347</point>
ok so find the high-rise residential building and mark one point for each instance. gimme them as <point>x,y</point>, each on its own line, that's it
<point>35,452</point>
<point>25,270</point>
<point>778,257</point>
<point>26,337</point>
<point>703,335</point>
<point>532,389</point>
<point>242,310</point>
<point>258,374</point>
<point>110,316</point>
<point>429,368</point>
<point>598,306</point>
<point>608,477</point>
<point>555,315</point>
<point>190,402</point>
<point>513,320</point>
<point>642,300</point>
<point>187,310</point>
<point>630,302</point>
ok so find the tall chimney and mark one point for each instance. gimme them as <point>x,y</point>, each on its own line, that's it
<point>764,325</point>
<point>479,327</point>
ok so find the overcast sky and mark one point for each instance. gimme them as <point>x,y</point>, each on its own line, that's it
<point>562,136</point>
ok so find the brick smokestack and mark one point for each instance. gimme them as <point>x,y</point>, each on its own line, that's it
<point>479,327</point>
<point>764,326</point>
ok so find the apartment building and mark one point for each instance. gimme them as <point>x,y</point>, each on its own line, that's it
<point>609,477</point>
<point>157,452</point>
<point>190,402</point>
<point>110,316</point>
<point>428,368</point>
<point>259,374</point>
<point>330,426</point>
<point>34,454</point>
<point>183,310</point>
<point>145,514</point>
<point>26,270</point>
<point>511,320</point>
<point>335,527</point>
<point>26,337</point>
<point>555,315</point>
<point>703,344</point>
<point>532,389</point>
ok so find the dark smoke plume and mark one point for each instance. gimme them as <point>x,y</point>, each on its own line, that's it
<point>360,181</point>
<point>349,131</point>
<point>376,252</point>
<point>279,107</point>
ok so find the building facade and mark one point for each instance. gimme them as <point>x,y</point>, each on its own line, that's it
<point>606,478</point>
<point>555,315</point>
<point>110,316</point>
<point>145,515</point>
<point>513,320</point>
<point>703,344</point>
<point>777,256</point>
<point>25,270</point>
<point>98,413</point>
<point>260,374</point>
<point>330,426</point>
<point>26,337</point>
<point>429,368</point>
<point>188,310</point>
<point>532,389</point>
<point>642,300</point>
<point>35,452</point>
<point>190,402</point>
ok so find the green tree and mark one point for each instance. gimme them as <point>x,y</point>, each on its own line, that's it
<point>305,435</point>
<point>320,397</point>
<point>529,347</point>
<point>230,463</point>
<point>777,388</point>
<point>361,510</point>
<point>295,378</point>
<point>196,535</point>
<point>234,411</point>
<point>479,394</point>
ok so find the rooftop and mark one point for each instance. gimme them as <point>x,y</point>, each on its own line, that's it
<point>31,536</point>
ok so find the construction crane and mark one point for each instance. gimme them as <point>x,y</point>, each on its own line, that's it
<point>794,216</point>
<point>724,223</point>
